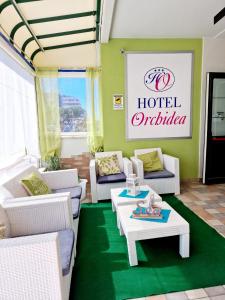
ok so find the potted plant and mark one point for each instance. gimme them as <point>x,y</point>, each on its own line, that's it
<point>52,163</point>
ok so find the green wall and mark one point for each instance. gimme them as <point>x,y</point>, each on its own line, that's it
<point>112,61</point>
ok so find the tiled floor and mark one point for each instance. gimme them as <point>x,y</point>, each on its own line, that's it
<point>208,202</point>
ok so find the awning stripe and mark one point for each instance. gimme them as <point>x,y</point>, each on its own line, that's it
<point>51,35</point>
<point>61,46</point>
<point>50,19</point>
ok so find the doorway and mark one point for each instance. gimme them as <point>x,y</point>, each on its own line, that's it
<point>214,150</point>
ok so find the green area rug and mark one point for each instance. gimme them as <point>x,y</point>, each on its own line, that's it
<point>102,270</point>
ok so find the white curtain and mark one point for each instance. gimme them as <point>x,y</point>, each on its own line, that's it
<point>18,117</point>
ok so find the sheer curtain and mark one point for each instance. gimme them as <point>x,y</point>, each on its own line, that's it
<point>18,116</point>
<point>48,113</point>
<point>94,121</point>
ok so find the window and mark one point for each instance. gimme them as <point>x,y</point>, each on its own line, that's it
<point>18,120</point>
<point>72,104</point>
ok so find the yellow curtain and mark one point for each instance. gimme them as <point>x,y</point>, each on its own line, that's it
<point>94,120</point>
<point>48,113</point>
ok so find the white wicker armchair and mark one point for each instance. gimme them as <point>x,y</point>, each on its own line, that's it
<point>163,182</point>
<point>58,181</point>
<point>31,263</point>
<point>102,191</point>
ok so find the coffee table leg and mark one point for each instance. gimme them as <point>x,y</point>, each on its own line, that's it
<point>113,206</point>
<point>118,221</point>
<point>132,253</point>
<point>184,245</point>
<point>120,227</point>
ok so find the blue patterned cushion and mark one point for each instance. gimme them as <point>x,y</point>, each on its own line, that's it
<point>75,207</point>
<point>66,243</point>
<point>75,192</point>
<point>158,174</point>
<point>121,177</point>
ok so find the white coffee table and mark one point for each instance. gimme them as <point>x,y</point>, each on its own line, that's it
<point>136,230</point>
<point>117,201</point>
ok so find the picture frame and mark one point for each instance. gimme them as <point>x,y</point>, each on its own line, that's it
<point>158,94</point>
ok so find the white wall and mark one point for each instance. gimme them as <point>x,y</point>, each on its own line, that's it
<point>73,146</point>
<point>213,60</point>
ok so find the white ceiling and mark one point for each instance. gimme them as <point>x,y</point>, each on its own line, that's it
<point>167,19</point>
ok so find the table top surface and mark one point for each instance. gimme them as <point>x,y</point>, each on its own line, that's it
<point>119,200</point>
<point>133,225</point>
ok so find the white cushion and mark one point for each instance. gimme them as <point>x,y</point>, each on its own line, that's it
<point>4,194</point>
<point>13,188</point>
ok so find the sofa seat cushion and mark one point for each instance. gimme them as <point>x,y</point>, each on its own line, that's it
<point>121,177</point>
<point>66,243</point>
<point>75,192</point>
<point>75,207</point>
<point>158,174</point>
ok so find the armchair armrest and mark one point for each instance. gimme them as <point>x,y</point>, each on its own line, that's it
<point>127,166</point>
<point>19,200</point>
<point>92,167</point>
<point>138,167</point>
<point>27,263</point>
<point>61,178</point>
<point>93,173</point>
<point>171,163</point>
<point>39,215</point>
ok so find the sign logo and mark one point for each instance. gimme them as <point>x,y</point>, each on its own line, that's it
<point>159,79</point>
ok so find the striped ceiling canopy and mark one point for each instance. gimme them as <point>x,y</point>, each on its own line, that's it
<point>36,26</point>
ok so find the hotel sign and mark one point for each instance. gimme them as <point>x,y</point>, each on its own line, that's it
<point>158,93</point>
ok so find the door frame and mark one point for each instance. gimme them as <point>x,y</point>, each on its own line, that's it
<point>209,93</point>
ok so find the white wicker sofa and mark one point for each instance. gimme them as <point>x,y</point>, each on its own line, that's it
<point>61,181</point>
<point>36,258</point>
